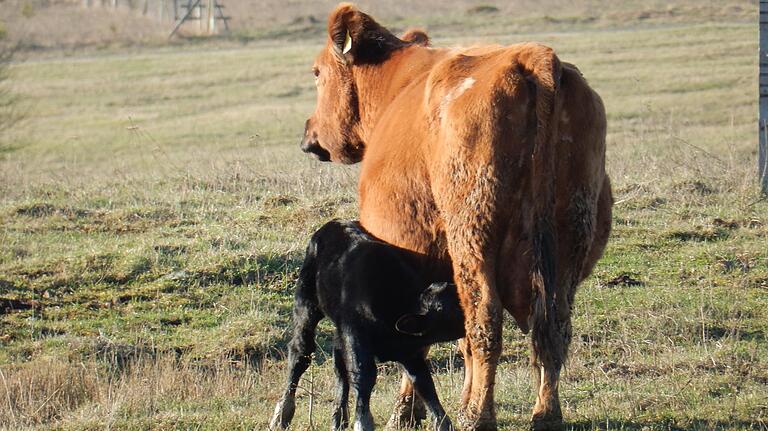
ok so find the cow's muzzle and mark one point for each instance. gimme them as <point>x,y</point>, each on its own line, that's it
<point>311,145</point>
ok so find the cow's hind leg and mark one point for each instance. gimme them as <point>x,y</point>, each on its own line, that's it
<point>582,236</point>
<point>306,316</point>
<point>470,201</point>
<point>549,341</point>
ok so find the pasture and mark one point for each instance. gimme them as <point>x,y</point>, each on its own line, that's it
<point>154,207</point>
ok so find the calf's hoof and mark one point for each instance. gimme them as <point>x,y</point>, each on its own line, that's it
<point>340,420</point>
<point>470,421</point>
<point>364,423</point>
<point>409,412</point>
<point>283,414</point>
<point>551,422</point>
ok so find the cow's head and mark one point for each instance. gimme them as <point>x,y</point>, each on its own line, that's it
<point>439,318</point>
<point>355,40</point>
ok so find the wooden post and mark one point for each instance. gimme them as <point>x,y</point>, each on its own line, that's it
<point>211,17</point>
<point>199,17</point>
<point>762,158</point>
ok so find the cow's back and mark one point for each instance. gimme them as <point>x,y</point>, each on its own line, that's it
<point>453,113</point>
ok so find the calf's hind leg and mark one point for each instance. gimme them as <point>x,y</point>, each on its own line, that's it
<point>306,316</point>
<point>341,403</point>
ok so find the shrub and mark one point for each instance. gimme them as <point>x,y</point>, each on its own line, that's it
<point>27,10</point>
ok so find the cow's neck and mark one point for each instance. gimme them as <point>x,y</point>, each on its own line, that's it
<point>378,85</point>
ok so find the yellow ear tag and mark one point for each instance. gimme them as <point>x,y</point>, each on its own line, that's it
<point>347,44</point>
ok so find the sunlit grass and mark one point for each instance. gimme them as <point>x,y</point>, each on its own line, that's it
<point>155,208</point>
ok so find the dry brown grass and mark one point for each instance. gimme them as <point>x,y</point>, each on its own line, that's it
<point>41,391</point>
<point>48,390</point>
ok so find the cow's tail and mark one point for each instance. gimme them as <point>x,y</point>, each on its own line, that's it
<point>543,70</point>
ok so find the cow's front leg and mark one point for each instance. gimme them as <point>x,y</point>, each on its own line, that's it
<point>409,408</point>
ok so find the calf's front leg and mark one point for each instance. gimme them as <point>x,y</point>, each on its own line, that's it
<point>409,409</point>
<point>419,373</point>
<point>361,368</point>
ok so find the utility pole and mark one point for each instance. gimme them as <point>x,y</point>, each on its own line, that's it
<point>762,158</point>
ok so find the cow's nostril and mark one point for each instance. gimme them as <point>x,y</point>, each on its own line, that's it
<point>311,145</point>
<point>308,144</point>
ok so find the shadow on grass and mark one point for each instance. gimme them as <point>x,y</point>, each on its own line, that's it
<point>667,425</point>
<point>242,270</point>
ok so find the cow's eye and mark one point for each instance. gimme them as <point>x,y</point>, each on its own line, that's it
<point>316,72</point>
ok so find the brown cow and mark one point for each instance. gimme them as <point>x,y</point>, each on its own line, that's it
<point>490,160</point>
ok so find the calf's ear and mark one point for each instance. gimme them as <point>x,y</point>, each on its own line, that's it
<point>357,38</point>
<point>413,324</point>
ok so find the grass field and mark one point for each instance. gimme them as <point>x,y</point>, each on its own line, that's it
<point>155,206</point>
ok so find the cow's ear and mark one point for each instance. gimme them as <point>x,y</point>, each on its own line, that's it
<point>357,38</point>
<point>416,36</point>
<point>342,25</point>
<point>413,324</point>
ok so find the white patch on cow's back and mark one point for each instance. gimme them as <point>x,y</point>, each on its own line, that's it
<point>457,91</point>
<point>565,118</point>
<point>465,85</point>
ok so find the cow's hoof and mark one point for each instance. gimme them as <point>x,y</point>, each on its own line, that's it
<point>408,413</point>
<point>442,424</point>
<point>552,422</point>
<point>470,421</point>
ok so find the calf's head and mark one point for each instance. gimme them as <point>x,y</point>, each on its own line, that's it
<point>439,318</point>
<point>355,41</point>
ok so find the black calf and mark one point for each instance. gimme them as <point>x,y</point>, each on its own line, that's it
<point>384,308</point>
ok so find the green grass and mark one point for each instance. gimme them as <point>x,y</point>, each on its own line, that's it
<point>155,207</point>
